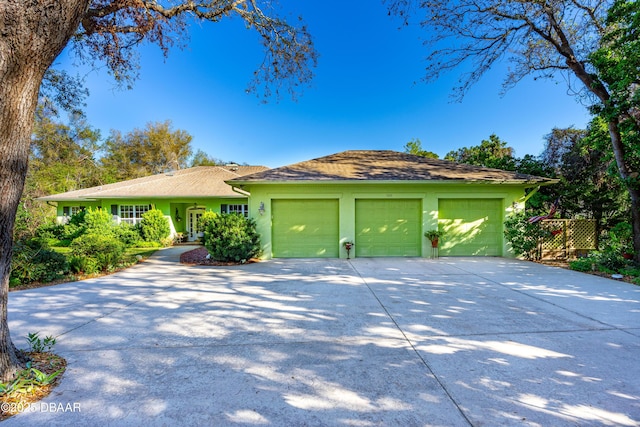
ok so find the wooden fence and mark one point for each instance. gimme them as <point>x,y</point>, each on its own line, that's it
<point>570,238</point>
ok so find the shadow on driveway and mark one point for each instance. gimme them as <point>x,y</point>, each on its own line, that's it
<point>407,342</point>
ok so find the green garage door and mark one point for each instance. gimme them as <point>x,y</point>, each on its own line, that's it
<point>473,227</point>
<point>388,227</point>
<point>305,228</point>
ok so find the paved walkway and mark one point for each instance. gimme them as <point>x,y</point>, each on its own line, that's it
<point>366,342</point>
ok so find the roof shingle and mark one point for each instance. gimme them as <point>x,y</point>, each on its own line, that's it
<point>385,165</point>
<point>200,181</point>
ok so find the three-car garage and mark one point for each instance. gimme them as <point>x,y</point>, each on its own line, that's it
<point>383,202</point>
<point>310,228</point>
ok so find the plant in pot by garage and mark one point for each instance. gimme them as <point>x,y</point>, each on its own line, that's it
<point>348,245</point>
<point>433,236</point>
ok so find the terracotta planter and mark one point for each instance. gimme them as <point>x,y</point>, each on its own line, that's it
<point>434,243</point>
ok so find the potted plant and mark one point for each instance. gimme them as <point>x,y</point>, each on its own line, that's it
<point>433,236</point>
<point>348,245</point>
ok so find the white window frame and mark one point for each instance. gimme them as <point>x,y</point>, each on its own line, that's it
<point>239,209</point>
<point>134,213</point>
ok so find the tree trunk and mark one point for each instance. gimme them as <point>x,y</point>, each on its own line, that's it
<point>33,34</point>
<point>634,193</point>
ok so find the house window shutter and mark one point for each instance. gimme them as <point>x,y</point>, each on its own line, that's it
<point>114,210</point>
<point>65,211</point>
<point>224,208</point>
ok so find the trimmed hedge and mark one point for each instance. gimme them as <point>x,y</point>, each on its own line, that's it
<point>232,238</point>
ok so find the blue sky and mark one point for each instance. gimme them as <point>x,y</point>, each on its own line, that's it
<point>367,94</point>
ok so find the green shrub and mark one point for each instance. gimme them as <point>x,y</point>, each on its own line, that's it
<point>34,262</point>
<point>232,238</point>
<point>82,264</point>
<point>98,221</point>
<point>50,231</point>
<point>524,236</point>
<point>154,226</point>
<point>71,232</point>
<point>106,251</point>
<point>582,264</point>
<point>78,218</point>
<point>610,261</point>
<point>620,238</point>
<point>63,234</point>
<point>205,220</point>
<point>128,234</point>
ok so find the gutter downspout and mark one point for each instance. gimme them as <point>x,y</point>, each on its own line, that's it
<point>240,191</point>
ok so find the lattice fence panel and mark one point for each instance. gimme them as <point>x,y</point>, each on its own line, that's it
<point>583,234</point>
<point>569,238</point>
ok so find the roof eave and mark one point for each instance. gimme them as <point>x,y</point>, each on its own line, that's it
<point>534,182</point>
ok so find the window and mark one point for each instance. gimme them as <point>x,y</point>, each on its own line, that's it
<point>72,210</point>
<point>133,213</point>
<point>238,209</point>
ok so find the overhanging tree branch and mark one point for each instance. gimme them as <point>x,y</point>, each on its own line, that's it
<point>111,30</point>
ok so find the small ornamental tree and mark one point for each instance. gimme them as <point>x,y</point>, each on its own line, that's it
<point>154,227</point>
<point>232,238</point>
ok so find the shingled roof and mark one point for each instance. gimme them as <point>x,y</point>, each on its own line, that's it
<point>384,165</point>
<point>200,181</point>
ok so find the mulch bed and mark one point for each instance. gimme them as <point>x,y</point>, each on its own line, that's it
<point>199,257</point>
<point>47,363</point>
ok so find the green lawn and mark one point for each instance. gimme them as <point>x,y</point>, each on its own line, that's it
<point>130,253</point>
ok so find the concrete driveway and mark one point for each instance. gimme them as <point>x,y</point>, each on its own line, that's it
<point>366,342</point>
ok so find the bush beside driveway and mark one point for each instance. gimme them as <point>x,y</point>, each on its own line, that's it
<point>469,341</point>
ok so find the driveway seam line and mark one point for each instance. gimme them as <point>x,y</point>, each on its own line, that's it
<point>415,350</point>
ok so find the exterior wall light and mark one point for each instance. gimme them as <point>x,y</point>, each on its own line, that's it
<point>261,208</point>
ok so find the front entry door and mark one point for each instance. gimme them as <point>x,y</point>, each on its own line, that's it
<point>193,217</point>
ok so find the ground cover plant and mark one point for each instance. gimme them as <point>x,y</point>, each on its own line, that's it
<point>43,370</point>
<point>614,257</point>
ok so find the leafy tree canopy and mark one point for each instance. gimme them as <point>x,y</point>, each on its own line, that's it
<point>149,151</point>
<point>491,153</point>
<point>592,43</point>
<point>415,147</point>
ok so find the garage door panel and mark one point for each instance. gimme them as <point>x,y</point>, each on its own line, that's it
<point>305,228</point>
<point>388,227</point>
<point>473,227</point>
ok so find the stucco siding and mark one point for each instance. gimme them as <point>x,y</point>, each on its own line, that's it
<point>428,195</point>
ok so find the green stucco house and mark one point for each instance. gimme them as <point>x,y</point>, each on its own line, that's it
<point>182,196</point>
<point>383,201</point>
